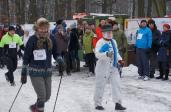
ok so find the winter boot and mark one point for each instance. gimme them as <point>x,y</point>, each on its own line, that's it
<point>61,74</point>
<point>73,66</point>
<point>99,108</point>
<point>166,75</point>
<point>13,83</point>
<point>160,77</point>
<point>78,66</point>
<point>119,107</point>
<point>33,108</point>
<point>6,77</point>
<point>151,75</point>
<point>69,73</point>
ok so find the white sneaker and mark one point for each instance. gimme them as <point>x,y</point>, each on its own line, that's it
<point>146,78</point>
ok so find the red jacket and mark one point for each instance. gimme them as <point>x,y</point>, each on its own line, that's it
<point>99,36</point>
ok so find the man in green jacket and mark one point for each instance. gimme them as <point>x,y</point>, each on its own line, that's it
<point>8,49</point>
<point>88,49</point>
<point>121,40</point>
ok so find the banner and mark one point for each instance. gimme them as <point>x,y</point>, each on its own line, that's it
<point>132,25</point>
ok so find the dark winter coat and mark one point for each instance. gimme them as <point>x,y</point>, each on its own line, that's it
<point>62,43</point>
<point>164,47</point>
<point>39,64</point>
<point>155,38</point>
<point>74,43</point>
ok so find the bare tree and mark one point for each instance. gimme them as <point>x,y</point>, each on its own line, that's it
<point>141,12</point>
<point>149,8</point>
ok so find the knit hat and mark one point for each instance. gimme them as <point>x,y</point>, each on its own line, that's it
<point>167,26</point>
<point>11,28</point>
<point>41,22</point>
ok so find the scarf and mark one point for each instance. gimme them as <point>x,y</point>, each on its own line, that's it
<point>115,61</point>
<point>43,38</point>
<point>106,47</point>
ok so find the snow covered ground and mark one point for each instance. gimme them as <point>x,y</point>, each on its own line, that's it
<point>76,94</point>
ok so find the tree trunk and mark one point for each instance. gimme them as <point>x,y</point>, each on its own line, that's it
<point>104,6</point>
<point>80,6</point>
<point>33,11</point>
<point>141,8</point>
<point>149,8</point>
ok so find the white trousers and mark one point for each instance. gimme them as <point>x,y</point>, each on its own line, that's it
<point>102,76</point>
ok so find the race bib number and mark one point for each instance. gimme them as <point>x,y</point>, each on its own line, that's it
<point>12,45</point>
<point>139,36</point>
<point>39,54</point>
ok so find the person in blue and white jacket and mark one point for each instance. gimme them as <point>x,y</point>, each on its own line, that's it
<point>106,68</point>
<point>143,46</point>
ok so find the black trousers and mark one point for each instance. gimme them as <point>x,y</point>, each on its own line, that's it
<point>91,61</point>
<point>67,63</point>
<point>11,63</point>
<point>153,63</point>
<point>163,68</point>
<point>142,62</point>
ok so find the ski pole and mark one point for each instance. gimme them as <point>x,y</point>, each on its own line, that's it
<point>15,97</point>
<point>57,93</point>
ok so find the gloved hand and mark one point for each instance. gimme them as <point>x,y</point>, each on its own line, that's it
<point>110,54</point>
<point>24,75</point>
<point>161,43</point>
<point>121,62</point>
<point>23,79</point>
<point>60,60</point>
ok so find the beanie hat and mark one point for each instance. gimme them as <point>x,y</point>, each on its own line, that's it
<point>167,26</point>
<point>11,28</point>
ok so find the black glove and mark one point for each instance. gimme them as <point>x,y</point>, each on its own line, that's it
<point>110,54</point>
<point>121,62</point>
<point>24,75</point>
<point>161,43</point>
<point>60,60</point>
<point>23,79</point>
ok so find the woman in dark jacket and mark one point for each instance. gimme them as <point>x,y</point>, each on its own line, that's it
<point>154,48</point>
<point>163,53</point>
<point>62,41</point>
<point>73,48</point>
<point>37,56</point>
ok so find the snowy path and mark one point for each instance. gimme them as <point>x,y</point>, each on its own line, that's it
<point>77,91</point>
